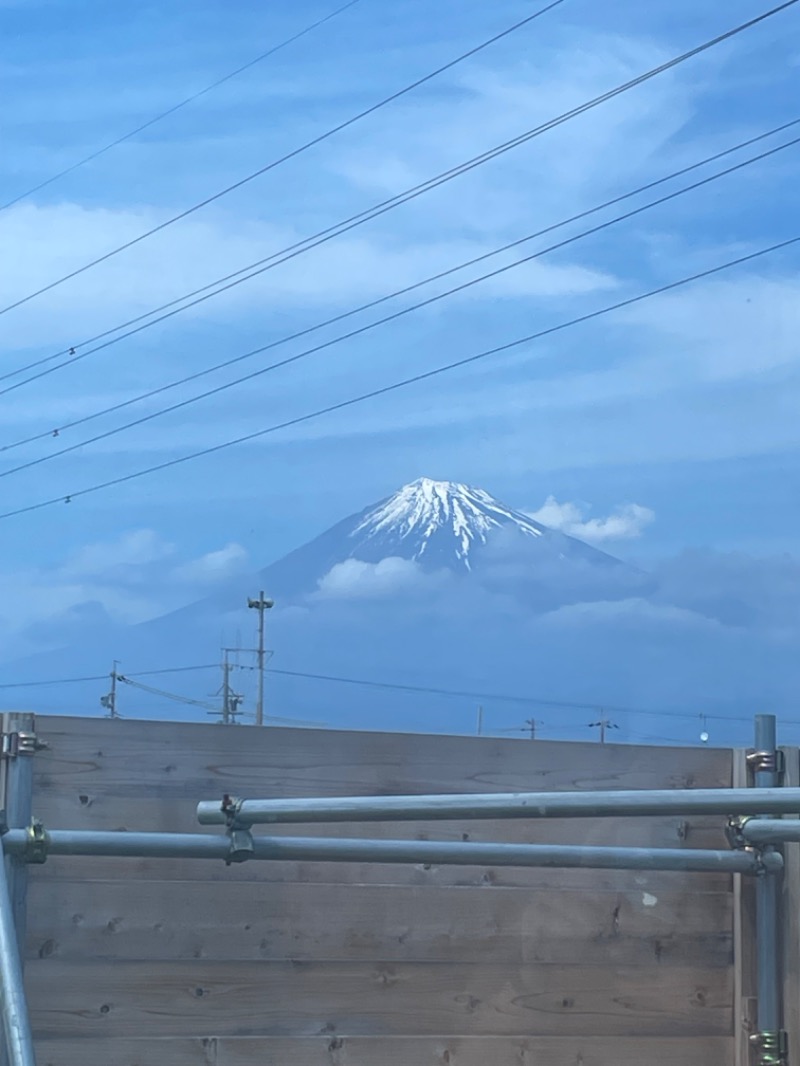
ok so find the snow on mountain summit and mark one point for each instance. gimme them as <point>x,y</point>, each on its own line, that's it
<point>439,525</point>
<point>426,510</point>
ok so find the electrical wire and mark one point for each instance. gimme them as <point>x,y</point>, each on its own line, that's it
<point>298,151</point>
<point>488,697</point>
<point>113,408</point>
<point>167,695</point>
<point>428,690</point>
<point>336,230</point>
<point>403,383</point>
<point>494,697</point>
<point>105,677</point>
<point>177,107</point>
<point>362,329</point>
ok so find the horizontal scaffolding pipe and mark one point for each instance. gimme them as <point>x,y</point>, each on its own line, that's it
<point>415,852</point>
<point>503,805</point>
<point>771,831</point>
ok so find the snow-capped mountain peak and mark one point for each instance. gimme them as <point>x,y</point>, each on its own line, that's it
<point>425,512</point>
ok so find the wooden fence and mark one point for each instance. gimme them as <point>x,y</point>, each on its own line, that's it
<point>177,962</point>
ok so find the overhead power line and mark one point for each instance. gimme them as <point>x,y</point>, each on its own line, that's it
<point>429,690</point>
<point>113,408</point>
<point>177,107</point>
<point>403,383</point>
<point>360,330</point>
<point>293,154</point>
<point>533,701</point>
<point>277,258</point>
<point>493,697</point>
<point>104,677</point>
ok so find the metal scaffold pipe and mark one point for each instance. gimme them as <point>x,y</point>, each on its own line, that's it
<point>771,831</point>
<point>414,852</point>
<point>16,1024</point>
<point>768,1040</point>
<point>652,802</point>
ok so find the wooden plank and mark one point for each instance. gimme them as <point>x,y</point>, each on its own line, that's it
<point>486,1051</point>
<point>135,1052</point>
<point>532,880</point>
<point>790,917</point>
<point>195,762</point>
<point>125,999</point>
<point>74,920</point>
<point>392,1051</point>
<point>452,966</point>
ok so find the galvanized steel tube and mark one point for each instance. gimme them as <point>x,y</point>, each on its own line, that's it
<point>415,852</point>
<point>19,808</point>
<point>122,844</point>
<point>771,831</point>
<point>768,938</point>
<point>653,802</point>
<point>16,1024</point>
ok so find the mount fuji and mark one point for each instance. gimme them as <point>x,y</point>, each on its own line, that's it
<point>427,604</point>
<point>439,526</point>
<point>439,584</point>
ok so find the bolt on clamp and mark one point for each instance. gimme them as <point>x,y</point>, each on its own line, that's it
<point>21,743</point>
<point>770,1048</point>
<point>37,842</point>
<point>231,807</point>
<point>734,832</point>
<point>242,847</point>
<point>765,761</point>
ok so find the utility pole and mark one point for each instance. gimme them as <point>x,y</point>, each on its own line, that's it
<point>531,723</point>
<point>480,721</point>
<point>226,689</point>
<point>231,701</point>
<point>109,701</point>
<point>261,605</point>
<point>603,725</point>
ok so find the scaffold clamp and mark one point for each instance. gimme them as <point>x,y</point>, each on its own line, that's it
<point>770,1048</point>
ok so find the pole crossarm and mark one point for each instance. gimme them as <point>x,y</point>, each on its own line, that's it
<point>634,803</point>
<point>36,844</point>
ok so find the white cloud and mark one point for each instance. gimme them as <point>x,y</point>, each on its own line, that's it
<point>215,566</point>
<point>560,168</point>
<point>126,580</point>
<point>554,174</point>
<point>53,240</point>
<point>626,522</point>
<point>354,579</point>
<point>631,612</point>
<point>135,549</point>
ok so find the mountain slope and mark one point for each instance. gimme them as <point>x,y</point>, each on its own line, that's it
<point>459,607</point>
<point>438,525</point>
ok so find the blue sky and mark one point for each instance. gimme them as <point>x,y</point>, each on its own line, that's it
<point>684,405</point>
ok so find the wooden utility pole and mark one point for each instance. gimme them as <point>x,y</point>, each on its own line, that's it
<point>603,725</point>
<point>109,701</point>
<point>227,716</point>
<point>262,604</point>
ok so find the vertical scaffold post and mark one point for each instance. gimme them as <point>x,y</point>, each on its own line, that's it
<point>19,745</point>
<point>18,1043</point>
<point>769,1042</point>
